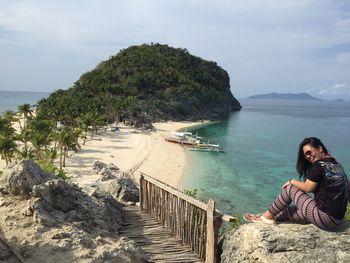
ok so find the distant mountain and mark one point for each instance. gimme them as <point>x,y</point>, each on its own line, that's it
<point>284,96</point>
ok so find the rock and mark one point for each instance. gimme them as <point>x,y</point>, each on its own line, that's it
<point>59,194</point>
<point>108,172</point>
<point>57,201</point>
<point>99,165</point>
<point>106,175</point>
<point>124,190</point>
<point>112,167</point>
<point>286,243</point>
<point>61,235</point>
<point>20,179</point>
<point>124,250</point>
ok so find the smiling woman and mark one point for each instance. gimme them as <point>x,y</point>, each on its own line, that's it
<point>323,176</point>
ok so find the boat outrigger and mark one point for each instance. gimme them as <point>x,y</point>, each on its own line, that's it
<point>207,147</point>
<point>195,141</point>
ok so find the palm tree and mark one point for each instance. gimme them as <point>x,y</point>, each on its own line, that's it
<point>10,116</point>
<point>40,131</point>
<point>25,153</point>
<point>7,148</point>
<point>67,141</point>
<point>24,111</point>
<point>85,124</point>
<point>40,142</point>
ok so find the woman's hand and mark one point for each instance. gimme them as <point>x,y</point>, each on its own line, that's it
<point>307,186</point>
<point>287,183</point>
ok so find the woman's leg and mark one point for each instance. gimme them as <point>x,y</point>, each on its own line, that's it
<point>303,210</point>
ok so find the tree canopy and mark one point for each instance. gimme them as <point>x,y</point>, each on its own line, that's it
<point>156,80</point>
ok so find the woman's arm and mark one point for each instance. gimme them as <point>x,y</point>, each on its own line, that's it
<point>307,186</point>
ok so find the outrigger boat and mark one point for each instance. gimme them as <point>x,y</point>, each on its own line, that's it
<point>186,138</point>
<point>189,139</point>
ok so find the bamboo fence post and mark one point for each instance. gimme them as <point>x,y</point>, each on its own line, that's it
<point>211,242</point>
<point>141,192</point>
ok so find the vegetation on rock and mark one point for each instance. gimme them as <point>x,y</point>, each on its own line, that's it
<point>155,81</point>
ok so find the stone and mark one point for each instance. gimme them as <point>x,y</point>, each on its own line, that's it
<point>124,250</point>
<point>124,190</point>
<point>20,178</point>
<point>108,172</point>
<point>99,165</point>
<point>61,235</point>
<point>286,243</point>
<point>106,175</point>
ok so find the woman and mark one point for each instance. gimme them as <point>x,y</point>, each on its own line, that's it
<point>323,176</point>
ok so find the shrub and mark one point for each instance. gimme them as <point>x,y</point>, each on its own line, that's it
<point>53,169</point>
<point>193,193</point>
<point>347,214</point>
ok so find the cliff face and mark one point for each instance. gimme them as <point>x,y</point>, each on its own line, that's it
<point>162,82</point>
<point>286,243</point>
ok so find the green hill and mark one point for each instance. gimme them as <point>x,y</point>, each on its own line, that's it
<point>155,81</point>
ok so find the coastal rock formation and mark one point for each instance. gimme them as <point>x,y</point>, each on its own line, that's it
<point>50,220</point>
<point>108,172</point>
<point>121,187</point>
<point>124,190</point>
<point>21,177</point>
<point>286,243</point>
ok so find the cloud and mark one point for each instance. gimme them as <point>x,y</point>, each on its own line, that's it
<point>263,44</point>
<point>336,90</point>
<point>343,58</point>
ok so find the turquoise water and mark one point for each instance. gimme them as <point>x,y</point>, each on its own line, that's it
<point>261,143</point>
<point>9,100</point>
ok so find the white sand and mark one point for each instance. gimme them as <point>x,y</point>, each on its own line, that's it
<point>132,152</point>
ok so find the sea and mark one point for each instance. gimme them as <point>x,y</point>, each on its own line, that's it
<point>260,150</point>
<point>10,100</point>
<point>260,147</point>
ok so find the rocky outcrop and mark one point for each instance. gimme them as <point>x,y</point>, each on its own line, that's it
<point>52,220</point>
<point>286,243</point>
<point>124,190</point>
<point>21,177</point>
<point>57,201</point>
<point>121,187</point>
<point>108,171</point>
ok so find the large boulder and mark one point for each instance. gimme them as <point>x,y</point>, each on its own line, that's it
<point>124,190</point>
<point>108,172</point>
<point>58,201</point>
<point>22,177</point>
<point>286,243</point>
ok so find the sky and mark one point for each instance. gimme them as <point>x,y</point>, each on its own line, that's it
<point>285,46</point>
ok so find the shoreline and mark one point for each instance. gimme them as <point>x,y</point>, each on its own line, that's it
<point>133,152</point>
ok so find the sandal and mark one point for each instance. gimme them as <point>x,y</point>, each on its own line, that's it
<point>258,218</point>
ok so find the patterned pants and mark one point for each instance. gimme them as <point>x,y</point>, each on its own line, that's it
<point>303,210</point>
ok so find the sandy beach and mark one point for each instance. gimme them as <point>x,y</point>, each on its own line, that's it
<point>132,151</point>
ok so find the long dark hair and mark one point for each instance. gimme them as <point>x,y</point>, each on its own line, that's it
<point>303,165</point>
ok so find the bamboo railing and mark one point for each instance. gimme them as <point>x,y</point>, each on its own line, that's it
<point>195,223</point>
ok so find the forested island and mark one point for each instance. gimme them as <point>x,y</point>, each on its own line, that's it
<point>153,82</point>
<point>284,96</point>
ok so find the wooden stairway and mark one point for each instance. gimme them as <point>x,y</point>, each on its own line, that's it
<point>157,242</point>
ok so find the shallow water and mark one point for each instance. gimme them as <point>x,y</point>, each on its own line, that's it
<point>261,143</point>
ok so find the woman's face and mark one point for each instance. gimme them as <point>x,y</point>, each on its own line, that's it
<point>312,154</point>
